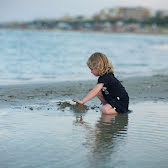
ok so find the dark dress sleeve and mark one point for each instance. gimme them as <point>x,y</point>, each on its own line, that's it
<point>101,79</point>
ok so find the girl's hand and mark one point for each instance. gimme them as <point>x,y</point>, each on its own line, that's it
<point>78,101</point>
<point>91,94</point>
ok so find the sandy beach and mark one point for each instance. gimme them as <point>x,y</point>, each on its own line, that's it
<point>140,89</point>
<point>42,127</point>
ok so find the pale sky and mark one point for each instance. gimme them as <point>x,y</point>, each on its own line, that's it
<point>25,10</point>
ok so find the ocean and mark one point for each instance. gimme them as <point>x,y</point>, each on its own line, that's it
<point>41,56</point>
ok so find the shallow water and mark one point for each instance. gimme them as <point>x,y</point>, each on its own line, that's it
<point>36,56</point>
<point>63,135</point>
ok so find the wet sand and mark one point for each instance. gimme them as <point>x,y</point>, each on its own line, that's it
<point>44,125</point>
<point>149,88</point>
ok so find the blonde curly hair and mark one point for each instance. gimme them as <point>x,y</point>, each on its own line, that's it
<point>100,62</point>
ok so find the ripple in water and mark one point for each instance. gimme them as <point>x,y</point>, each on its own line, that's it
<point>62,137</point>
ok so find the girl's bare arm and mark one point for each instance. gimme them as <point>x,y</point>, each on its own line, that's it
<point>91,94</point>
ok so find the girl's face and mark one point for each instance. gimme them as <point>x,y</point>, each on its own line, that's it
<point>94,72</point>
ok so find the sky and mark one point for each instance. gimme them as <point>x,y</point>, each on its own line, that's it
<point>27,10</point>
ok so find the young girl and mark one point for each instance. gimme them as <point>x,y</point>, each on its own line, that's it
<point>108,89</point>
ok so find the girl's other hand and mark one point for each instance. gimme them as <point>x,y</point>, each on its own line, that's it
<point>78,101</point>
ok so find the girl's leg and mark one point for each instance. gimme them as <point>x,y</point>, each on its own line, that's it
<point>100,96</point>
<point>108,109</point>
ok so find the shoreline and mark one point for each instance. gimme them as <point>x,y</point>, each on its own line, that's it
<point>92,31</point>
<point>140,89</point>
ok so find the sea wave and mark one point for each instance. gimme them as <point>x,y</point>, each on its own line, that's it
<point>161,47</point>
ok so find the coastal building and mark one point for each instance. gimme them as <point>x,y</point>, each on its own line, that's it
<point>138,13</point>
<point>152,13</point>
<point>162,13</point>
<point>109,13</point>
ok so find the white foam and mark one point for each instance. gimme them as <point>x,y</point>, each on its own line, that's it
<point>161,47</point>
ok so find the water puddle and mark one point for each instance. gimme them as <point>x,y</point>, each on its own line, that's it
<point>80,136</point>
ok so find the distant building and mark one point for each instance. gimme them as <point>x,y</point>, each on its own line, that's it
<point>162,13</point>
<point>152,13</point>
<point>138,14</point>
<point>165,13</point>
<point>108,13</point>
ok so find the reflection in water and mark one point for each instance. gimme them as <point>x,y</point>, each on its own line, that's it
<point>105,139</point>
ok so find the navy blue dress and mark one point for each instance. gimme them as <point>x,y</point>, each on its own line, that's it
<point>114,92</point>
